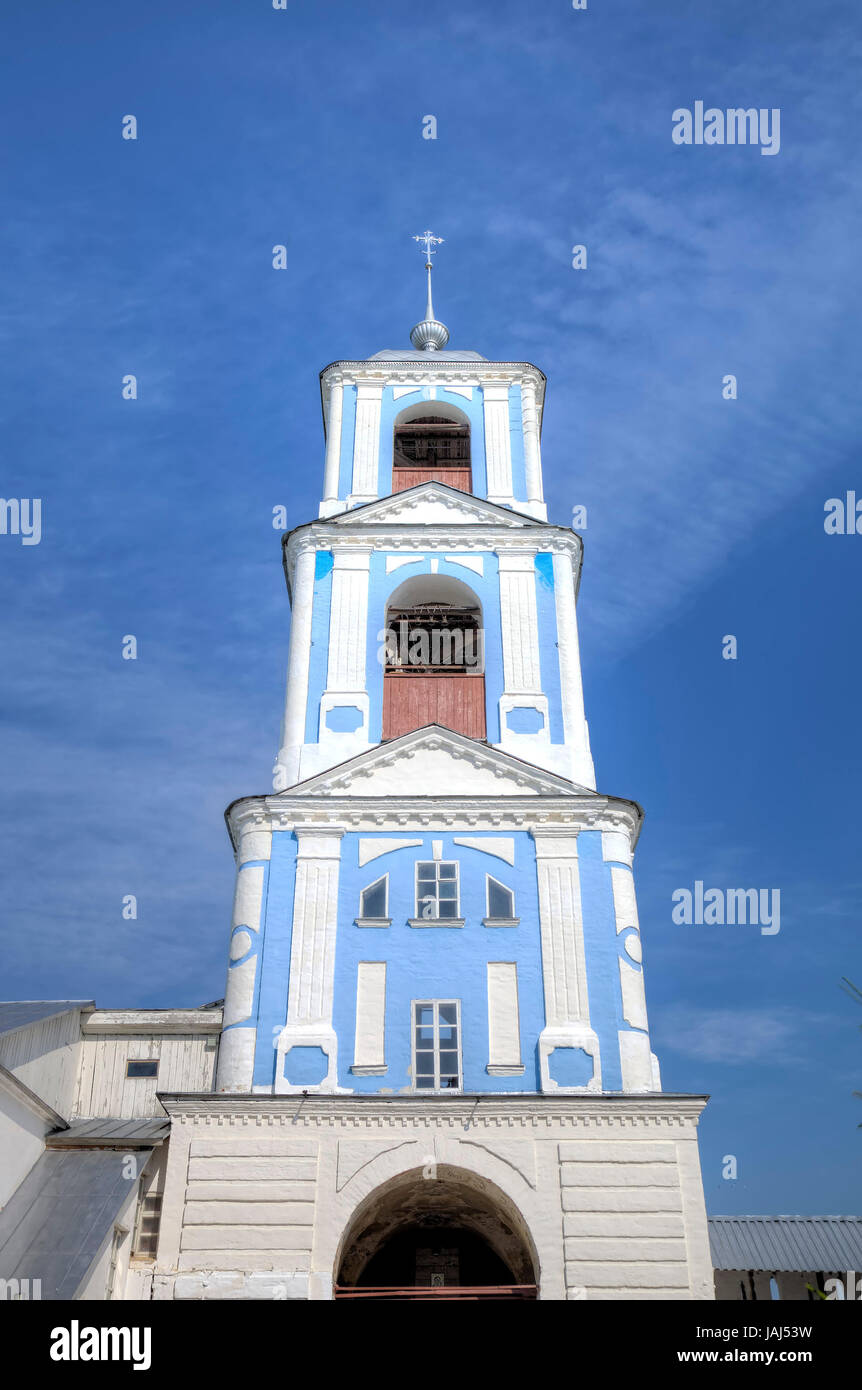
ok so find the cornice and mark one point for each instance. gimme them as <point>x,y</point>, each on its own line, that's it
<point>400,535</point>
<point>160,1022</point>
<point>573,813</point>
<point>600,1112</point>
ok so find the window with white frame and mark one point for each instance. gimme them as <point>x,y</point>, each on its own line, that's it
<point>500,904</point>
<point>148,1220</point>
<point>374,904</point>
<point>436,1045</point>
<point>437,890</point>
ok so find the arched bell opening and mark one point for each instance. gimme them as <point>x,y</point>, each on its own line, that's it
<point>437,1232</point>
<point>434,658</point>
<point>432,443</point>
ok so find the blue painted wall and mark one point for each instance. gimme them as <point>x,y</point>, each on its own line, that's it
<point>439,962</point>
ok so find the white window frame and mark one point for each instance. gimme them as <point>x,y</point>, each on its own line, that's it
<point>436,1089</point>
<point>419,921</point>
<point>488,920</point>
<point>385,920</point>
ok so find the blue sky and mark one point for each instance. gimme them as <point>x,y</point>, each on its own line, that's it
<point>705,516</point>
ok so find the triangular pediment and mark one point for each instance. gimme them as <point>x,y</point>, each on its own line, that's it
<point>436,762</point>
<point>434,503</point>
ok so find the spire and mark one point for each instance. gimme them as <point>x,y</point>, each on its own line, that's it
<point>429,335</point>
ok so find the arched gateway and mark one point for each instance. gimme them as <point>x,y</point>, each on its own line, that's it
<point>436,1232</point>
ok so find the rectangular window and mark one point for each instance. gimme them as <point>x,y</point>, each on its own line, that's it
<point>437,890</point>
<point>436,1045</point>
<point>147,1226</point>
<point>142,1068</point>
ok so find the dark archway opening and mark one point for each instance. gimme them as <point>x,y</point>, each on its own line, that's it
<point>438,1233</point>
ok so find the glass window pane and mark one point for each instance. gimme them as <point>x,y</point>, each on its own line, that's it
<point>448,890</point>
<point>501,900</point>
<point>426,872</point>
<point>425,1083</point>
<point>374,900</point>
<point>448,1063</point>
<point>448,909</point>
<point>425,1015</point>
<point>447,871</point>
<point>449,1013</point>
<point>424,1064</point>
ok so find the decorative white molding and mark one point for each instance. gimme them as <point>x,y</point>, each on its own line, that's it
<point>299,662</point>
<point>532,454</point>
<point>312,956</point>
<point>519,619</point>
<point>469,562</point>
<point>504,1029</point>
<point>366,447</point>
<point>395,562</point>
<point>568,648</point>
<point>499,848</point>
<point>563,959</point>
<point>333,443</point>
<point>369,1053</point>
<point>373,849</point>
<point>498,448</point>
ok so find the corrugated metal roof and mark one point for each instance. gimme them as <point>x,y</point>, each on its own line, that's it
<point>785,1243</point>
<point>19,1013</point>
<point>54,1225</point>
<point>82,1134</point>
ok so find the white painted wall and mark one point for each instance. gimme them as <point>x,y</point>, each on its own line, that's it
<point>186,1063</point>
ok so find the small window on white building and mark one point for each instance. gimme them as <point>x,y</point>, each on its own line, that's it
<point>437,892</point>
<point>436,1045</point>
<point>147,1224</point>
<point>500,902</point>
<point>374,904</point>
<point>142,1067</point>
<point>117,1239</point>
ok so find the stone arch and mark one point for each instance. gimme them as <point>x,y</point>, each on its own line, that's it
<point>485,1237</point>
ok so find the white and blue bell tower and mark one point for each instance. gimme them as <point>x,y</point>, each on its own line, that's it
<point>434,899</point>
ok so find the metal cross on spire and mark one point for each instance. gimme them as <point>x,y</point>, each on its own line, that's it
<point>429,336</point>
<point>429,242</point>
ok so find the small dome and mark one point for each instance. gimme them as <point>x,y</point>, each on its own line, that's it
<point>429,336</point>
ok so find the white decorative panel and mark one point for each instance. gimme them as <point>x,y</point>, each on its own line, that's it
<point>519,618</point>
<point>504,1032</point>
<point>348,621</point>
<point>468,562</point>
<point>315,919</point>
<point>501,849</point>
<point>498,447</point>
<point>369,1046</point>
<point>239,992</point>
<point>366,448</point>
<point>372,849</point>
<point>395,562</point>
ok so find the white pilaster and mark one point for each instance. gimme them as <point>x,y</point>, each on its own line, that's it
<point>532,452</point>
<point>369,1051</point>
<point>522,672</point>
<point>575,729</point>
<point>312,954</point>
<point>564,971</point>
<point>498,444</point>
<point>331,504</point>
<point>346,670</point>
<point>299,659</point>
<point>366,444</point>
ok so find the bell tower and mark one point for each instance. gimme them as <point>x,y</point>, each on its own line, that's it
<point>435,1007</point>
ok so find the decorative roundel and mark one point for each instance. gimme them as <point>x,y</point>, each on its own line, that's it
<point>634,949</point>
<point>240,944</point>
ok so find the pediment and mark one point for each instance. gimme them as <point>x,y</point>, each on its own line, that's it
<point>434,503</point>
<point>436,762</point>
